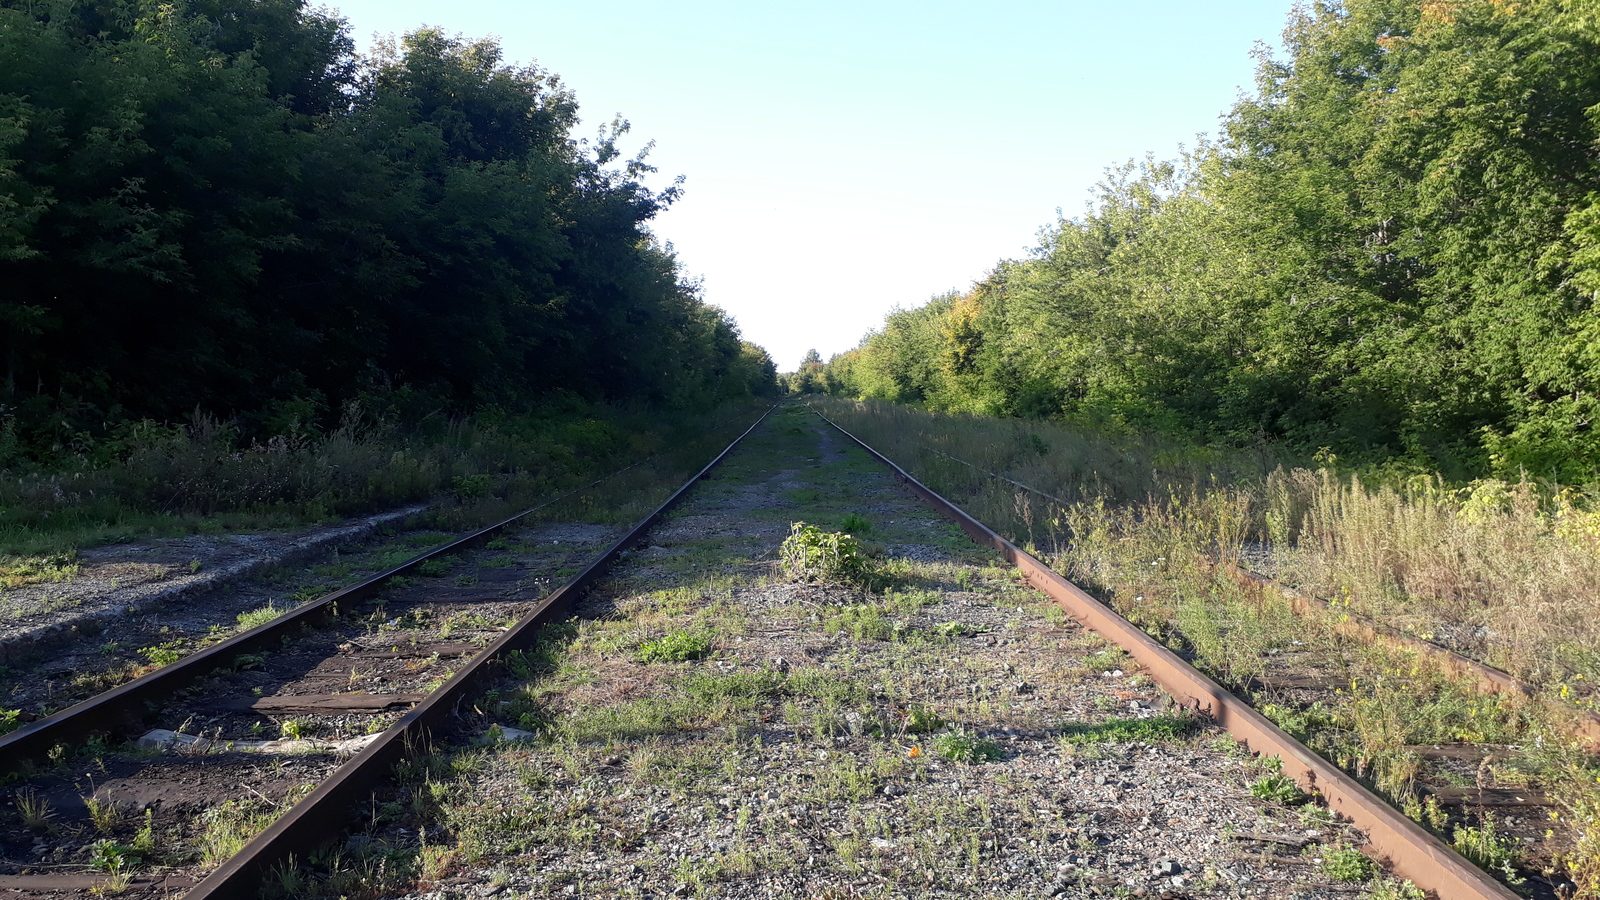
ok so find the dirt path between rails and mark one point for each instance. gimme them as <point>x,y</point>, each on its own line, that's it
<point>953,736</point>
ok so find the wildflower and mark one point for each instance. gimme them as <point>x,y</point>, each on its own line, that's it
<point>913,753</point>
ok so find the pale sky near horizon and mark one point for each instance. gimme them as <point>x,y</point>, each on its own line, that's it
<point>842,159</point>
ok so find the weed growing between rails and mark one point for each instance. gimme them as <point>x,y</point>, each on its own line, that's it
<point>830,741</point>
<point>1375,712</point>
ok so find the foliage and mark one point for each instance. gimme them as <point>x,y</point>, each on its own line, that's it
<point>218,205</point>
<point>1277,787</point>
<point>1392,251</point>
<point>1347,864</point>
<point>811,554</point>
<point>1483,847</point>
<point>676,646</point>
<point>961,745</point>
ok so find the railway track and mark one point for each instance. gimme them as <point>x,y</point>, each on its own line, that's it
<point>710,728</point>
<point>1509,770</point>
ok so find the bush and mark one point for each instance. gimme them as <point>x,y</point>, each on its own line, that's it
<point>811,554</point>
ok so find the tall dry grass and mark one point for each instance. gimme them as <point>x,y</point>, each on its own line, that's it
<point>1505,572</point>
<point>1508,573</point>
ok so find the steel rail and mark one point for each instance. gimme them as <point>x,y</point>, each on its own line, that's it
<point>322,813</point>
<point>1410,851</point>
<point>1582,724</point>
<point>128,704</point>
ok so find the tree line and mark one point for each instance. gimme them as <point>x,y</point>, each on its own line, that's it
<point>1390,253</point>
<point>219,205</point>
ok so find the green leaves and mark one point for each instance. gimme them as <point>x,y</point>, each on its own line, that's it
<point>811,554</point>
<point>1392,253</point>
<point>218,205</point>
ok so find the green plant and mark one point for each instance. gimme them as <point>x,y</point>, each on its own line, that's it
<point>298,728</point>
<point>854,523</point>
<point>19,571</point>
<point>921,720</point>
<point>1347,864</point>
<point>1394,889</point>
<point>1486,849</point>
<point>10,720</point>
<point>106,855</point>
<point>261,615</point>
<point>961,745</point>
<point>864,623</point>
<point>432,568</point>
<point>1107,660</point>
<point>1301,723</point>
<point>227,828</point>
<point>1151,730</point>
<point>34,810</point>
<point>144,840</point>
<point>466,580</point>
<point>163,654</point>
<point>102,813</point>
<point>676,646</point>
<point>472,487</point>
<point>1278,788</point>
<point>811,554</point>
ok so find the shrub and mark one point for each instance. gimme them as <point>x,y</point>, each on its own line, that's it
<point>811,554</point>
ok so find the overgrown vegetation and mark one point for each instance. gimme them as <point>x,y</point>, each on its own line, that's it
<point>1497,570</point>
<point>1392,251</point>
<point>811,554</point>
<point>216,213</point>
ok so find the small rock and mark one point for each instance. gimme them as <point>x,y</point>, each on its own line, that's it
<point>1100,780</point>
<point>1167,867</point>
<point>779,663</point>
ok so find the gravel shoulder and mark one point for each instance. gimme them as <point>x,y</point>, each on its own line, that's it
<point>951,736</point>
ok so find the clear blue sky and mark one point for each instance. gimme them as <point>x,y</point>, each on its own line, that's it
<point>845,158</point>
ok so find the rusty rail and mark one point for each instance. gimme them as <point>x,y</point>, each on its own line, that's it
<point>310,823</point>
<point>129,704</point>
<point>1409,850</point>
<point>1583,725</point>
